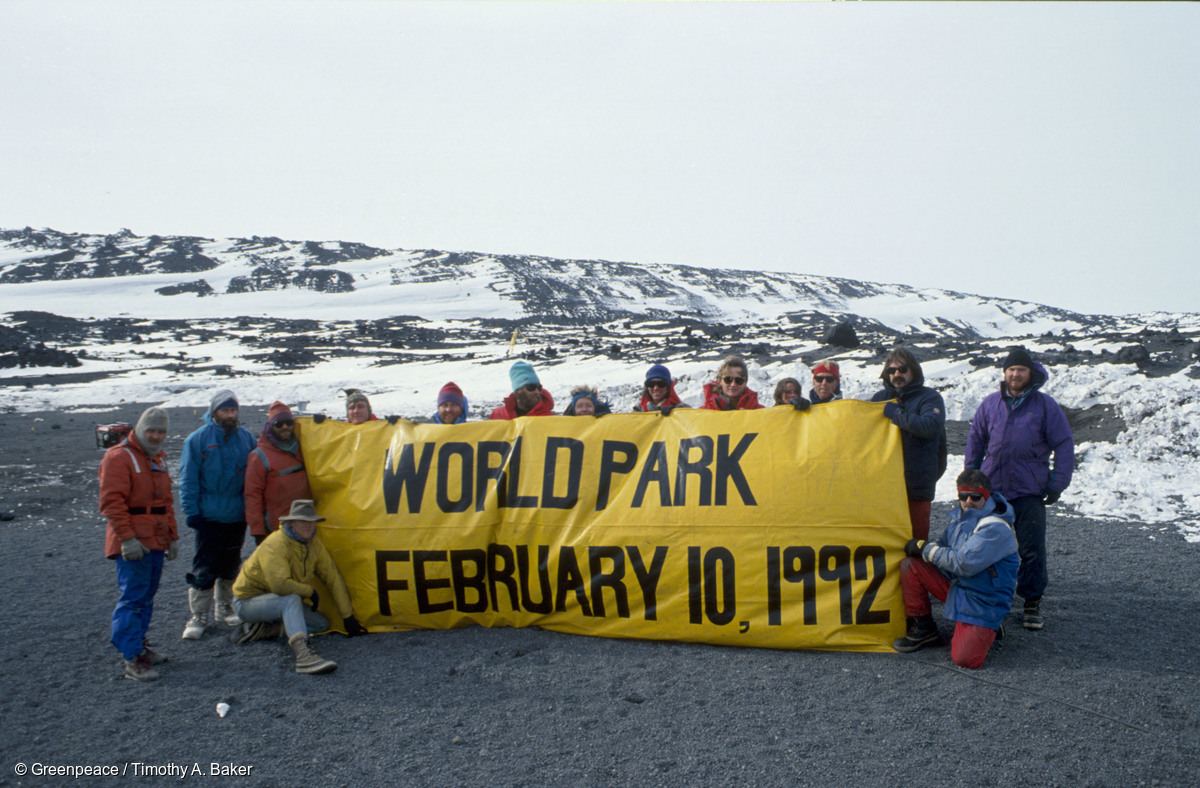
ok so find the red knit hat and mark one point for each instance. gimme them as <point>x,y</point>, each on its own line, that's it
<point>452,393</point>
<point>278,412</point>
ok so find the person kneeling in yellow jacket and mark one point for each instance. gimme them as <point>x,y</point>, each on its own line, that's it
<point>275,582</point>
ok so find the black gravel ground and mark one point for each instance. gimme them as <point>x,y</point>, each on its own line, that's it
<point>1106,695</point>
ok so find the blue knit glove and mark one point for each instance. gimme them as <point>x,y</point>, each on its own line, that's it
<point>891,410</point>
<point>195,520</point>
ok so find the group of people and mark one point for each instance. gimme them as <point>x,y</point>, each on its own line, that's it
<point>230,480</point>
<point>1019,459</point>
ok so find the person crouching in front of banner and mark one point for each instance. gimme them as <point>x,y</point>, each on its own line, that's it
<point>136,500</point>
<point>972,567</point>
<point>275,585</point>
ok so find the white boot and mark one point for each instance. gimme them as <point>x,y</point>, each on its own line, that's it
<point>200,603</point>
<point>223,608</point>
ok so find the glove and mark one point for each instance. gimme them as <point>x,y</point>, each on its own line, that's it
<point>1052,497</point>
<point>173,550</point>
<point>318,418</point>
<point>195,520</point>
<point>132,550</point>
<point>800,403</point>
<point>393,419</point>
<point>891,410</point>
<point>353,628</point>
<point>314,600</point>
<point>666,410</point>
<point>914,547</point>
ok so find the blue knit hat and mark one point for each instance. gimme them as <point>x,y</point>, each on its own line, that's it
<point>658,372</point>
<point>522,374</point>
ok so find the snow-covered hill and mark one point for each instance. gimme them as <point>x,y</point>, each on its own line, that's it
<point>93,320</point>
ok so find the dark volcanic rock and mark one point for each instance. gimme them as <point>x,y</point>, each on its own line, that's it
<point>199,287</point>
<point>842,335</point>
<point>1134,354</point>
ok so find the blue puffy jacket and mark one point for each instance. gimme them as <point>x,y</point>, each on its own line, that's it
<point>1011,440</point>
<point>922,421</point>
<point>213,472</point>
<point>978,553</point>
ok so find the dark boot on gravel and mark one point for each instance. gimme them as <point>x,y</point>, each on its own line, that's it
<point>922,632</point>
<point>1033,614</point>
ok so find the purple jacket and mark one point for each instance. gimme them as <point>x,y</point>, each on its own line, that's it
<point>1012,440</point>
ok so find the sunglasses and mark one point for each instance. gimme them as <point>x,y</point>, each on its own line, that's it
<point>532,387</point>
<point>734,379</point>
<point>283,423</point>
<point>656,384</point>
<point>970,496</point>
<point>903,370</point>
<point>824,378</point>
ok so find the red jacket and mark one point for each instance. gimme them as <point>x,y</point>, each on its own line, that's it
<point>135,498</point>
<point>271,488</point>
<point>672,400</point>
<point>714,401</point>
<point>509,409</point>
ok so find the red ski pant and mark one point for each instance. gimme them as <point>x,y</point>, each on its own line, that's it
<point>918,515</point>
<point>918,579</point>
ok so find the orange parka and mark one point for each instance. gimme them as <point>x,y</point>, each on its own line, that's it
<point>274,478</point>
<point>135,498</point>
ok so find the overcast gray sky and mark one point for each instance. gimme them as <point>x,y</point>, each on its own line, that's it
<point>1047,152</point>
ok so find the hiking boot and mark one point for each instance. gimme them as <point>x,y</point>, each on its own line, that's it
<point>139,669</point>
<point>921,632</point>
<point>257,630</point>
<point>223,603</point>
<point>200,603</point>
<point>307,660</point>
<point>154,657</point>
<point>1000,633</point>
<point>1033,615</point>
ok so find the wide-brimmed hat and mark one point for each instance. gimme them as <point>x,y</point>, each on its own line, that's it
<point>303,509</point>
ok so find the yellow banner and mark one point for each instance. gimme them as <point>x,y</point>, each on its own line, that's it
<point>769,528</point>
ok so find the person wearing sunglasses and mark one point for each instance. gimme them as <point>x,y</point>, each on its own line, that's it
<point>729,391</point>
<point>920,413</point>
<point>658,392</point>
<point>1013,434</point>
<point>972,567</point>
<point>827,383</point>
<point>528,398</point>
<point>275,474</point>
